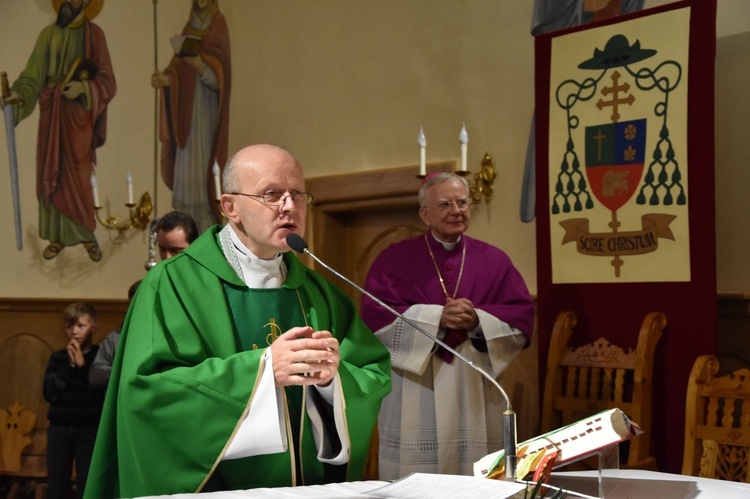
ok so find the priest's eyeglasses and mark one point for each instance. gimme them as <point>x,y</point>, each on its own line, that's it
<point>447,206</point>
<point>273,198</point>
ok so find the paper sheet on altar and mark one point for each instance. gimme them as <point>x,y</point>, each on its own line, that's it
<point>414,486</point>
<point>421,485</point>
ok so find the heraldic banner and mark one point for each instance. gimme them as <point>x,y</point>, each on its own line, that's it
<point>618,177</point>
<point>625,187</point>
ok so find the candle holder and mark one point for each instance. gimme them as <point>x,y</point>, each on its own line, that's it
<point>139,216</point>
<point>483,180</point>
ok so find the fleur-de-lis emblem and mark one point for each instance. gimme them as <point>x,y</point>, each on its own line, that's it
<point>630,131</point>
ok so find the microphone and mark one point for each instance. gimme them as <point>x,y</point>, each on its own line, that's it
<point>299,245</point>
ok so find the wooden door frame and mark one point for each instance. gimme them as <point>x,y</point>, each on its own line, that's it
<point>367,191</point>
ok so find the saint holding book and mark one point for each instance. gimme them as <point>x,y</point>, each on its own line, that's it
<point>194,117</point>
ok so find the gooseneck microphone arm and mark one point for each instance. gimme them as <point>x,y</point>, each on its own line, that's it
<point>509,417</point>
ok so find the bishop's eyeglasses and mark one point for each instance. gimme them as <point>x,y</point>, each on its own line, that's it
<point>273,198</point>
<point>446,206</point>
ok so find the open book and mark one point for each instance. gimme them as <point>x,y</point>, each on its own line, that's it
<point>568,444</point>
<point>186,45</point>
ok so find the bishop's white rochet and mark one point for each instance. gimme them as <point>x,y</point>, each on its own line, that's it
<point>509,417</point>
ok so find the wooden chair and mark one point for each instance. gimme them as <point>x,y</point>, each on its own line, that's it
<point>717,423</point>
<point>16,422</point>
<point>585,380</point>
<point>23,359</point>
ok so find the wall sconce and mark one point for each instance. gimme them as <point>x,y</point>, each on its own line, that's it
<point>139,213</point>
<point>139,216</point>
<point>483,180</point>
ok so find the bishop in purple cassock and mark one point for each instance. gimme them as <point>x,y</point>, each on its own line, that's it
<point>442,415</point>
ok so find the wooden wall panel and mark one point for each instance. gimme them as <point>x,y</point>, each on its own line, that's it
<point>43,318</point>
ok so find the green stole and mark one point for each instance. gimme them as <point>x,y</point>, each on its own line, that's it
<point>260,316</point>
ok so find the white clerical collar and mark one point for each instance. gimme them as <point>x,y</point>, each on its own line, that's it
<point>447,246</point>
<point>257,272</point>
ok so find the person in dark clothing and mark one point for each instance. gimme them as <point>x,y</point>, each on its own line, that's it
<point>101,368</point>
<point>75,407</point>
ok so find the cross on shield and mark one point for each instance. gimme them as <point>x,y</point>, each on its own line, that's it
<point>615,155</point>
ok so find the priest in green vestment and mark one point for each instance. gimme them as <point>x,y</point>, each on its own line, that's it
<point>238,367</point>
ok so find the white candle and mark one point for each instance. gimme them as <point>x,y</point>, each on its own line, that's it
<point>129,180</point>
<point>422,142</point>
<point>217,179</point>
<point>95,190</point>
<point>463,137</point>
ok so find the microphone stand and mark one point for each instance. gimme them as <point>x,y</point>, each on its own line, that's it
<point>509,417</point>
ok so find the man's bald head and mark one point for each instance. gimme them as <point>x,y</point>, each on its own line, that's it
<point>254,156</point>
<point>264,198</point>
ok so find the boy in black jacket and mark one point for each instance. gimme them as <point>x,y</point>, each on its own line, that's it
<point>75,407</point>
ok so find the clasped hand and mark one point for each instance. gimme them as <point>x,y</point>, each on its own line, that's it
<point>75,355</point>
<point>459,314</point>
<point>303,356</point>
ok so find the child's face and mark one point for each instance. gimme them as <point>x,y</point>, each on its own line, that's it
<point>81,330</point>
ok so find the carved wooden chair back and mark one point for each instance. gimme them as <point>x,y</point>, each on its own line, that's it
<point>717,423</point>
<point>16,422</point>
<point>598,376</point>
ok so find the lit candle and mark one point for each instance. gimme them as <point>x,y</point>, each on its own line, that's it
<point>95,190</point>
<point>463,137</point>
<point>217,180</point>
<point>129,180</point>
<point>422,142</point>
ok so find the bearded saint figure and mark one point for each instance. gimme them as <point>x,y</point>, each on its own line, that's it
<point>70,74</point>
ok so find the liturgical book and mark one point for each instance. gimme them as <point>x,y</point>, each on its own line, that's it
<point>567,444</point>
<point>186,45</point>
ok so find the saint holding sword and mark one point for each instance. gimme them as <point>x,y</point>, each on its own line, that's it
<point>70,74</point>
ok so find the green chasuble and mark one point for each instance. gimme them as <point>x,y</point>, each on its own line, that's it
<point>185,373</point>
